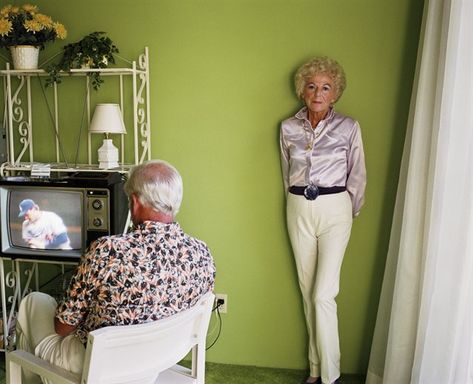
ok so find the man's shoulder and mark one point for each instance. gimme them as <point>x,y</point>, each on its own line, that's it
<point>168,235</point>
<point>109,239</point>
<point>194,242</point>
<point>175,232</point>
<point>105,243</point>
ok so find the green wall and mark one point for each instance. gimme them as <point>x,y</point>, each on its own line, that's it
<point>221,82</point>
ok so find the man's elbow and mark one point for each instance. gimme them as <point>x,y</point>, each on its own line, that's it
<point>63,329</point>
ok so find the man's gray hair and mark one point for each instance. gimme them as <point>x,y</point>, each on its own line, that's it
<point>157,184</point>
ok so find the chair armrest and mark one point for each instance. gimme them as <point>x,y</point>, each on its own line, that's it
<point>41,367</point>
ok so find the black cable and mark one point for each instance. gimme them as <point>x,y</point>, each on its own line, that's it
<point>219,325</point>
<point>55,277</point>
<point>81,125</point>
<point>56,134</point>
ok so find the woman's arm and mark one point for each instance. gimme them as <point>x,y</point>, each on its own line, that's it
<point>356,175</point>
<point>284,161</point>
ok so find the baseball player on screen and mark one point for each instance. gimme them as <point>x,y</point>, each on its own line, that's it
<point>42,229</point>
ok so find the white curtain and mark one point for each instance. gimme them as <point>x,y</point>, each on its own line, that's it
<point>424,328</point>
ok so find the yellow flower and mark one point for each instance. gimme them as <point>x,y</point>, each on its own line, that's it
<point>30,8</point>
<point>33,26</point>
<point>44,20</point>
<point>5,10</point>
<point>60,30</point>
<point>24,24</point>
<point>5,27</point>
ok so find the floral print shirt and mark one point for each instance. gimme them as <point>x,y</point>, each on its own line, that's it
<point>150,273</point>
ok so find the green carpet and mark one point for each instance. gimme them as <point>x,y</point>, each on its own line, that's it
<point>237,374</point>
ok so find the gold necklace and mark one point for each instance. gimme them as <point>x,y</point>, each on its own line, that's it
<point>310,142</point>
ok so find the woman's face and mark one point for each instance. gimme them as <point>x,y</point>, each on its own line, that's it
<point>319,94</point>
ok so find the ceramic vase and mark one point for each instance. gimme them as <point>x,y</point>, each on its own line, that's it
<point>24,56</point>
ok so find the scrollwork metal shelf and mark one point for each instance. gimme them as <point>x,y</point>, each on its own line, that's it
<point>21,275</point>
<point>19,124</point>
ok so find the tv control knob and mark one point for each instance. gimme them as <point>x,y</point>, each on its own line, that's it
<point>97,204</point>
<point>98,222</point>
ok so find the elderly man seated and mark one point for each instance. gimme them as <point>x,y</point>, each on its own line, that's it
<point>152,272</point>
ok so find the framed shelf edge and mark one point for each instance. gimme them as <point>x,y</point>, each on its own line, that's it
<point>61,168</point>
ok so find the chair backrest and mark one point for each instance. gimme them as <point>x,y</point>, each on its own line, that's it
<point>138,353</point>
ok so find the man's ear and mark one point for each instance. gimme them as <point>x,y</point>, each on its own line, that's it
<point>135,204</point>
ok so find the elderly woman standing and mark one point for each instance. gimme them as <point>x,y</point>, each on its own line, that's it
<point>324,177</point>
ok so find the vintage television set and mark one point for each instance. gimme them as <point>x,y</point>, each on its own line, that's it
<point>57,218</point>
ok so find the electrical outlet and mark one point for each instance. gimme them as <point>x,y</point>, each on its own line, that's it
<point>219,297</point>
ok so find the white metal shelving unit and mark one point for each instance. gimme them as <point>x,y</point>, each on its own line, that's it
<point>19,127</point>
<point>20,124</point>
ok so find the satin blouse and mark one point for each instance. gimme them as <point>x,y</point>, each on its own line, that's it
<point>327,156</point>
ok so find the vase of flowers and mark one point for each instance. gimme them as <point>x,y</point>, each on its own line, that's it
<point>25,27</point>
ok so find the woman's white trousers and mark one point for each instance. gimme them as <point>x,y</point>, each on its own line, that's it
<point>319,231</point>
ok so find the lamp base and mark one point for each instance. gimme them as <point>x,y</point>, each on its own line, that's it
<point>108,155</point>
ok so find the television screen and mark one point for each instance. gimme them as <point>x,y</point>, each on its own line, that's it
<point>48,219</point>
<point>57,218</point>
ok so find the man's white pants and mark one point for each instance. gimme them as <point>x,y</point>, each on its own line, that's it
<point>35,333</point>
<point>319,231</point>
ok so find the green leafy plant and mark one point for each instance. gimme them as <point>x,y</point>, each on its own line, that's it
<point>94,51</point>
<point>26,26</point>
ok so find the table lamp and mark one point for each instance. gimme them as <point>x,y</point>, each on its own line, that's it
<point>107,119</point>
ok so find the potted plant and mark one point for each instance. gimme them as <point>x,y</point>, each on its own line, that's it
<point>25,26</point>
<point>94,51</point>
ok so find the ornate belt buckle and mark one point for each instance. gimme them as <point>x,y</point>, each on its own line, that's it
<point>311,192</point>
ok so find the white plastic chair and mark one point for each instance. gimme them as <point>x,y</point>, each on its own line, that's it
<point>133,354</point>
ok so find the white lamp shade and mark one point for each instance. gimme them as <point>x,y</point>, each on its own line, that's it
<point>107,119</point>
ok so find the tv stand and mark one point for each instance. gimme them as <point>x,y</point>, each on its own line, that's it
<point>19,277</point>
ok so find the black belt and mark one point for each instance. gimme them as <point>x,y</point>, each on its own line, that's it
<point>312,191</point>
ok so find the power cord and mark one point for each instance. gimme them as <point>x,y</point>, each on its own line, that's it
<point>216,309</point>
<point>52,120</point>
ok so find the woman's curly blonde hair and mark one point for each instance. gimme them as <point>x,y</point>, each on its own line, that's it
<point>320,65</point>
